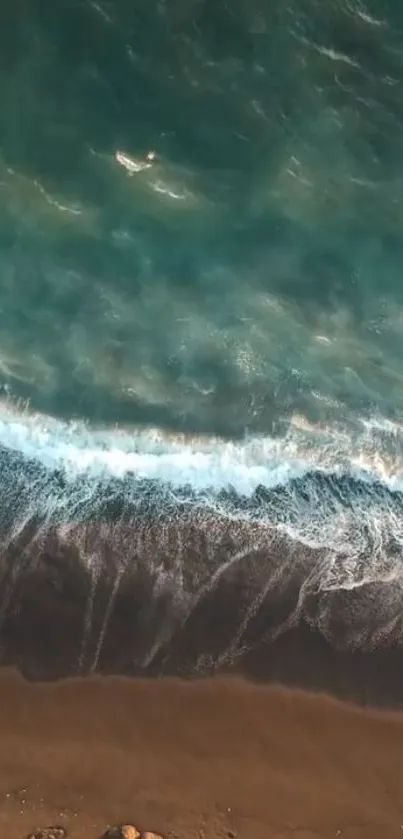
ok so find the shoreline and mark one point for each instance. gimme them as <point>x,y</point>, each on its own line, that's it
<point>213,758</point>
<point>127,577</point>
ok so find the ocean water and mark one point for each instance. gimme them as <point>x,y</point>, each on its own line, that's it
<point>201,314</point>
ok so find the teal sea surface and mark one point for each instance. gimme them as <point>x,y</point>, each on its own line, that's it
<point>253,272</point>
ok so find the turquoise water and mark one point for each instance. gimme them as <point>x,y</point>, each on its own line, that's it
<point>253,272</point>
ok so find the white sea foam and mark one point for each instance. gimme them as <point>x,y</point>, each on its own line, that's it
<point>372,452</point>
<point>331,539</point>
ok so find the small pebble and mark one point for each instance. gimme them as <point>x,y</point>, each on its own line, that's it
<point>128,831</point>
<point>124,831</point>
<point>54,832</point>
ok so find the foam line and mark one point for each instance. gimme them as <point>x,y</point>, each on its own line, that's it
<point>206,464</point>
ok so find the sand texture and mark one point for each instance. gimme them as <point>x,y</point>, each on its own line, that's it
<point>210,759</point>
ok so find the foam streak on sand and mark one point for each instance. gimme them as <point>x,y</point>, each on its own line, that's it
<point>161,554</point>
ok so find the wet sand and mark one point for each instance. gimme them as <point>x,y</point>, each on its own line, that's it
<point>196,760</point>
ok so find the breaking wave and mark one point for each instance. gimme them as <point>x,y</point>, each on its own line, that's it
<point>143,552</point>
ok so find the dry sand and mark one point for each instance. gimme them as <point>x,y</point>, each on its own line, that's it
<point>218,758</point>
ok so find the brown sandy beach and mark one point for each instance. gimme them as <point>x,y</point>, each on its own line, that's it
<point>196,760</point>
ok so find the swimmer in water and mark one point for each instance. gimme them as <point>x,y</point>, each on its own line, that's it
<point>133,164</point>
